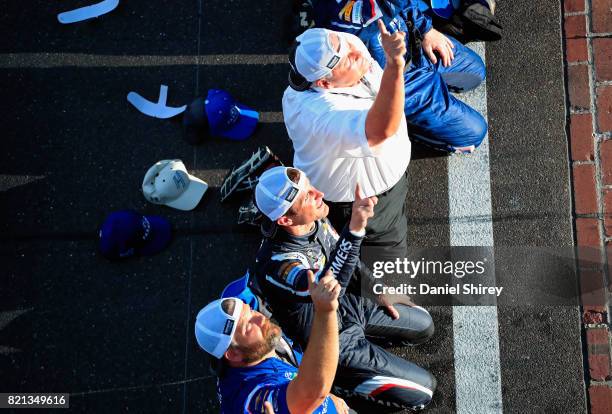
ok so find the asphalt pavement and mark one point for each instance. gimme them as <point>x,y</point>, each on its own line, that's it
<point>119,336</point>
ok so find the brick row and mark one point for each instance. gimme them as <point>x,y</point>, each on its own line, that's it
<point>588,52</point>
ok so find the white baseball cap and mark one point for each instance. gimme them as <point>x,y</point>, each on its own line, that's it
<point>315,57</point>
<point>215,328</point>
<point>275,192</point>
<point>168,183</point>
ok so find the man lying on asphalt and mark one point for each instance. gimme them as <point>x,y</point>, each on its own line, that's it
<point>260,371</point>
<point>298,239</point>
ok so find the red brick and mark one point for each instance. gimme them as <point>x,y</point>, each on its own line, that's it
<point>597,336</point>
<point>598,350</point>
<point>594,314</point>
<point>576,50</point>
<point>599,367</point>
<point>581,137</point>
<point>573,6</point>
<point>604,108</point>
<point>601,16</point>
<point>605,152</point>
<point>602,51</point>
<point>601,399</point>
<point>589,251</point>
<point>585,196</point>
<point>592,286</point>
<point>607,205</point>
<point>609,263</point>
<point>587,230</point>
<point>575,27</point>
<point>578,86</point>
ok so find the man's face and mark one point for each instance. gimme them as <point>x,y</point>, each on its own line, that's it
<point>351,68</point>
<point>255,336</point>
<point>309,206</point>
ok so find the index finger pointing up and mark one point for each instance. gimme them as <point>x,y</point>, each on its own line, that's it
<point>358,194</point>
<point>381,27</point>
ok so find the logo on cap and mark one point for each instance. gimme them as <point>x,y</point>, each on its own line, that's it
<point>129,252</point>
<point>179,180</point>
<point>229,324</point>
<point>146,227</point>
<point>291,194</point>
<point>233,116</point>
<point>333,62</point>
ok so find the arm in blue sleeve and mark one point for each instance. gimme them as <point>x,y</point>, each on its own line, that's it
<point>276,394</point>
<point>409,9</point>
<point>345,257</point>
<point>421,22</point>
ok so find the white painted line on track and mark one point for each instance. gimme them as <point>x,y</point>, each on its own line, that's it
<point>271,117</point>
<point>52,60</point>
<point>475,328</point>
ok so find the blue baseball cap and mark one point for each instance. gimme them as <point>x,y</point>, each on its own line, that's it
<point>228,118</point>
<point>220,115</point>
<point>240,289</point>
<point>445,8</point>
<point>127,233</point>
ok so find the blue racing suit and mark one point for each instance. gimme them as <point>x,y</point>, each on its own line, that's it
<point>365,369</point>
<point>245,390</point>
<point>435,117</point>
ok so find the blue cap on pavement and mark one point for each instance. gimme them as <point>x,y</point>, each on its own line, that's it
<point>220,115</point>
<point>127,233</point>
<point>228,118</point>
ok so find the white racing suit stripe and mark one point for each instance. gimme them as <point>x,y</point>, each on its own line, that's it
<point>271,280</point>
<point>380,383</point>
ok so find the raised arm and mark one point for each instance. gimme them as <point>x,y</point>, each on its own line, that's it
<point>345,257</point>
<point>287,273</point>
<point>385,115</point>
<point>318,368</point>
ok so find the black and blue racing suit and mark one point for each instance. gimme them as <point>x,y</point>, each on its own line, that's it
<point>365,369</point>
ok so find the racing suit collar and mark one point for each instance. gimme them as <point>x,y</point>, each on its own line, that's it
<point>285,354</point>
<point>304,240</point>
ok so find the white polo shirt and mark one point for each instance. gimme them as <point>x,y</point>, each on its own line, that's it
<point>327,127</point>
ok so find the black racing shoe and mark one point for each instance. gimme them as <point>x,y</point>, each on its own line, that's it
<point>246,176</point>
<point>248,213</point>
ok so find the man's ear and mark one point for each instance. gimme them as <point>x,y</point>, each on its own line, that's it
<point>322,83</point>
<point>284,221</point>
<point>233,355</point>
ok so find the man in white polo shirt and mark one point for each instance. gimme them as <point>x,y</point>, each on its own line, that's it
<point>345,116</point>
